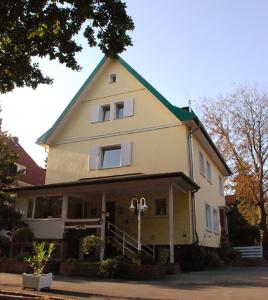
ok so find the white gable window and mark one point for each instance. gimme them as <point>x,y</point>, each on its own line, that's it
<point>202,164</point>
<point>209,175</point>
<point>221,187</point>
<point>21,169</point>
<point>215,221</point>
<point>208,217</point>
<point>111,157</point>
<point>105,113</point>
<point>119,110</point>
<point>113,78</point>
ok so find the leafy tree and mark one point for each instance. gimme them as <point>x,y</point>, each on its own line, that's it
<point>238,124</point>
<point>47,28</point>
<point>8,176</point>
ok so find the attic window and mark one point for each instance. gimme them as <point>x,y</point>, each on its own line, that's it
<point>113,78</point>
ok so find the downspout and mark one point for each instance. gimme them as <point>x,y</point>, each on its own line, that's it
<point>191,167</point>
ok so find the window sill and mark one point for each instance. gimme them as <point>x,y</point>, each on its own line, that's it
<point>203,175</point>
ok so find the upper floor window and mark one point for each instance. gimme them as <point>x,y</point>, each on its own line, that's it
<point>113,78</point>
<point>161,207</point>
<point>111,111</point>
<point>105,114</point>
<point>202,164</point>
<point>209,175</point>
<point>221,187</point>
<point>111,157</point>
<point>208,217</point>
<point>119,110</point>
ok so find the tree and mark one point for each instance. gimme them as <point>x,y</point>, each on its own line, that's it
<point>9,217</point>
<point>47,28</point>
<point>238,123</point>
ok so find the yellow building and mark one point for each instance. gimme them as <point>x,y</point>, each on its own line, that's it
<point>117,142</point>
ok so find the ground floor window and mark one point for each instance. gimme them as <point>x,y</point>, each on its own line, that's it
<point>161,207</point>
<point>48,207</point>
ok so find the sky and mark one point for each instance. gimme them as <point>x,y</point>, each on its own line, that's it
<point>187,49</point>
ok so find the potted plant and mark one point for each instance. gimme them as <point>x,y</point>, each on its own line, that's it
<point>38,280</point>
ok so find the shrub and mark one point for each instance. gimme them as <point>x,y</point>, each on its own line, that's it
<point>4,245</point>
<point>23,235</point>
<point>42,254</point>
<point>163,255</point>
<point>213,260</point>
<point>116,267</point>
<point>192,258</point>
<point>227,253</point>
<point>142,259</point>
<point>91,243</point>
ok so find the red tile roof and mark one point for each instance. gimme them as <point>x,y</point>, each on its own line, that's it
<point>34,175</point>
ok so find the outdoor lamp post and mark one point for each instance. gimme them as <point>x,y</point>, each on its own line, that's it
<point>141,207</point>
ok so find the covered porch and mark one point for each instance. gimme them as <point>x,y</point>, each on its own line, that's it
<point>68,211</point>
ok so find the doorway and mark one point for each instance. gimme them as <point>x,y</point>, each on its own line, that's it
<point>110,208</point>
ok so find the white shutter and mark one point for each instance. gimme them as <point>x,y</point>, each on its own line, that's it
<point>94,158</point>
<point>128,107</point>
<point>126,154</point>
<point>95,113</point>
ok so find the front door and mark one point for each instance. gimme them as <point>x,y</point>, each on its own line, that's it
<point>110,208</point>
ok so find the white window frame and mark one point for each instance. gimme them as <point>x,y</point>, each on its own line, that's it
<point>113,78</point>
<point>208,217</point>
<point>115,147</point>
<point>215,218</point>
<point>155,201</point>
<point>202,166</point>
<point>209,171</point>
<point>118,104</point>
<point>103,112</point>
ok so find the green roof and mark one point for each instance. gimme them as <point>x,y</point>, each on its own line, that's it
<point>180,113</point>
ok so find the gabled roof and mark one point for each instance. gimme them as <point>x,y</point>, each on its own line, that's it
<point>34,175</point>
<point>182,114</point>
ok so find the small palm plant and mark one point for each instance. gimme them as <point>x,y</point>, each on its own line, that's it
<point>42,254</point>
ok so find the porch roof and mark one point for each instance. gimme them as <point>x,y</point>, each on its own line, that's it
<point>178,178</point>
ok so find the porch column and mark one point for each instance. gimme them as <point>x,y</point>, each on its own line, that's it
<point>171,224</point>
<point>103,217</point>
<point>64,207</point>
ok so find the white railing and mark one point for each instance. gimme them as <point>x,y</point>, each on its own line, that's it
<point>127,242</point>
<point>250,251</point>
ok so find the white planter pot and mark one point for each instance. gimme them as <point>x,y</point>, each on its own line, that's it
<point>32,281</point>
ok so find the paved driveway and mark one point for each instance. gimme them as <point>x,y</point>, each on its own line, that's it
<point>231,283</point>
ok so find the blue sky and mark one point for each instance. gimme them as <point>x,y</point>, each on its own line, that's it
<point>187,49</point>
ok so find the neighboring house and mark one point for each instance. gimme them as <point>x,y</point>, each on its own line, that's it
<point>30,172</point>
<point>119,138</point>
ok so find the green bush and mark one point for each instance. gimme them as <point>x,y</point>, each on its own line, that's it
<point>192,258</point>
<point>4,245</point>
<point>22,235</point>
<point>91,243</point>
<point>142,259</point>
<point>163,255</point>
<point>213,260</point>
<point>227,253</point>
<point>116,267</point>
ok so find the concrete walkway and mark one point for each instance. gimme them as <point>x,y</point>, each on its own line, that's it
<point>231,283</point>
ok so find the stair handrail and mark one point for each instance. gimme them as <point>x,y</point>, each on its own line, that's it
<point>123,237</point>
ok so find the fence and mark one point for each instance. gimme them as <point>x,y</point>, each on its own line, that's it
<point>250,251</point>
